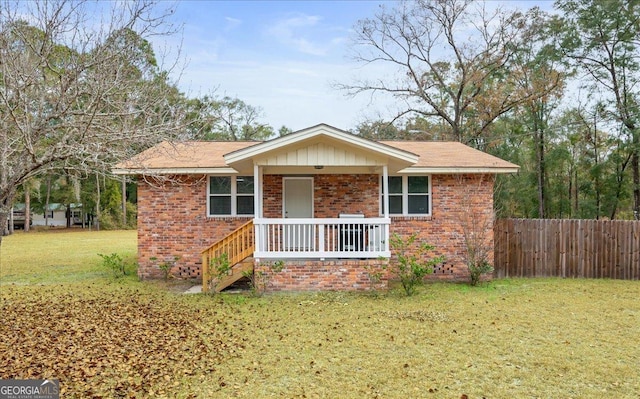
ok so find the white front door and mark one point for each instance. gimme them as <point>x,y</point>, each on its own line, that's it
<point>298,197</point>
<point>298,204</point>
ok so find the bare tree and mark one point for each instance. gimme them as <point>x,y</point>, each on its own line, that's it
<point>476,222</point>
<point>454,61</point>
<point>80,88</point>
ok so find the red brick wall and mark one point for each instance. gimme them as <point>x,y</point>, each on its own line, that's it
<point>327,275</point>
<point>458,201</point>
<point>336,194</point>
<point>332,195</point>
<point>172,222</point>
<point>272,196</point>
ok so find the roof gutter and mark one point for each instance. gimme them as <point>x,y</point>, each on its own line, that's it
<point>174,171</point>
<point>458,170</point>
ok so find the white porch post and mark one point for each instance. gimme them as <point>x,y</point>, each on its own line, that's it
<point>257,190</point>
<point>385,191</point>
<point>257,205</point>
<point>385,205</point>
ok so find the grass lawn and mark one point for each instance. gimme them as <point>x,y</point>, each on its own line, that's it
<point>64,317</point>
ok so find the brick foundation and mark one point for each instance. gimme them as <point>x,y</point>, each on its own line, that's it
<point>173,222</point>
<point>327,275</point>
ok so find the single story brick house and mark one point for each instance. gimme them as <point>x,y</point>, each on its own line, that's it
<point>321,200</point>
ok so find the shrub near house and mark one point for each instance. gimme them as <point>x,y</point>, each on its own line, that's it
<point>321,199</point>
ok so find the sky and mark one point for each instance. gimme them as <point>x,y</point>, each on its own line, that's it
<point>281,56</point>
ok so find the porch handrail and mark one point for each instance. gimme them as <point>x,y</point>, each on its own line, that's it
<point>322,237</point>
<point>237,245</point>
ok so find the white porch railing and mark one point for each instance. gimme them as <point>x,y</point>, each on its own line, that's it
<point>322,238</point>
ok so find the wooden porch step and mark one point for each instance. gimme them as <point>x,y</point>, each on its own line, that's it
<point>235,274</point>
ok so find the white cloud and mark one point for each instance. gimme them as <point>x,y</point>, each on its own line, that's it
<point>285,26</point>
<point>232,23</point>
<point>284,65</point>
<point>291,31</point>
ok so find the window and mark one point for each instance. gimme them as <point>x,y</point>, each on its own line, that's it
<point>230,195</point>
<point>408,195</point>
<point>244,195</point>
<point>418,195</point>
<point>395,195</point>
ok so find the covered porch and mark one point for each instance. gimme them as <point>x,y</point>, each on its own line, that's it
<point>299,213</point>
<point>316,243</point>
<point>316,195</point>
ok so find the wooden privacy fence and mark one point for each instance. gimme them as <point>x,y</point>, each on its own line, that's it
<point>567,248</point>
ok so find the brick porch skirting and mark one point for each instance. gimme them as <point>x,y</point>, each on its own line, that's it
<point>324,275</point>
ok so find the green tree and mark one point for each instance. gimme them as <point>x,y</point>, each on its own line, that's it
<point>539,72</point>
<point>588,150</point>
<point>584,164</point>
<point>227,118</point>
<point>601,38</point>
<point>378,130</point>
<point>284,130</point>
<point>515,194</point>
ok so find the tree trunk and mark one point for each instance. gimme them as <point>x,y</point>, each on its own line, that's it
<point>68,215</point>
<point>12,225</point>
<point>541,172</point>
<point>6,204</point>
<point>97,218</point>
<point>569,193</point>
<point>46,202</point>
<point>124,202</point>
<point>4,223</point>
<point>576,188</point>
<point>27,207</point>
<point>635,167</point>
<point>597,161</point>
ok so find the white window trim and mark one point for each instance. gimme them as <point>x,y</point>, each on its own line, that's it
<point>234,197</point>
<point>405,196</point>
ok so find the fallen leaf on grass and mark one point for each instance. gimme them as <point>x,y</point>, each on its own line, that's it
<point>101,344</point>
<point>417,315</point>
